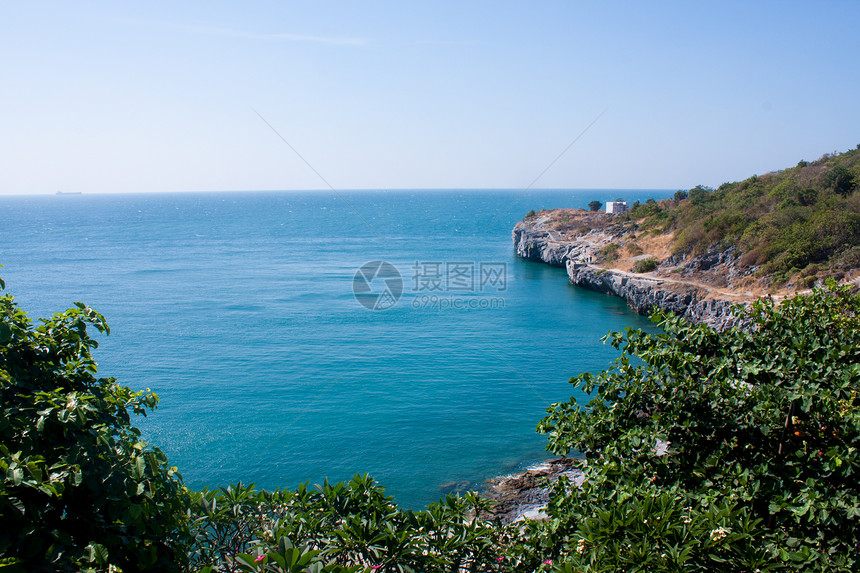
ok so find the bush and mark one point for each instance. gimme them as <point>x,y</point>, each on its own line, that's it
<point>341,528</point>
<point>841,180</point>
<point>761,428</point>
<point>699,195</point>
<point>610,252</point>
<point>645,265</point>
<point>81,489</point>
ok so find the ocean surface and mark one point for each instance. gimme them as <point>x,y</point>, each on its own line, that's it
<point>299,336</point>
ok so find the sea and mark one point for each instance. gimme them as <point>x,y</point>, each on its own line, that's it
<point>302,336</point>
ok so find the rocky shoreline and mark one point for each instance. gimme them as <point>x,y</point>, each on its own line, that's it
<point>524,495</point>
<point>698,288</point>
<point>703,289</point>
<point>644,295</point>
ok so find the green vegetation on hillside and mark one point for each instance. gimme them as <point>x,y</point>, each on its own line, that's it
<point>760,472</point>
<point>800,222</point>
<point>645,265</point>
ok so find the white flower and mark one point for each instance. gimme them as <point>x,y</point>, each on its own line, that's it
<point>686,517</point>
<point>719,533</point>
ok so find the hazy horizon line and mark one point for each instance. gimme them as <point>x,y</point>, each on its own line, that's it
<point>344,190</point>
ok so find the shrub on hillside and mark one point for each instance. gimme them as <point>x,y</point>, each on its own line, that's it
<point>787,217</point>
<point>610,252</point>
<point>645,265</point>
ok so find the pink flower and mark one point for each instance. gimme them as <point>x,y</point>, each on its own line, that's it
<point>548,562</point>
<point>376,567</point>
<point>259,558</point>
<point>500,559</point>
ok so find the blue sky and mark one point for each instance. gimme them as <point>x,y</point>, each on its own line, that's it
<point>164,96</point>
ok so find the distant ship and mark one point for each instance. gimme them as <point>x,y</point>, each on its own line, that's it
<point>69,192</point>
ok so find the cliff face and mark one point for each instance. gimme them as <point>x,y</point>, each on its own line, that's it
<point>538,244</point>
<point>644,295</point>
<point>536,240</point>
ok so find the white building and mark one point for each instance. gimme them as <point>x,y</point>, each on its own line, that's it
<point>617,206</point>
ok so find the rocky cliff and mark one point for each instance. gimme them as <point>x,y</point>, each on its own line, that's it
<point>579,241</point>
<point>644,294</point>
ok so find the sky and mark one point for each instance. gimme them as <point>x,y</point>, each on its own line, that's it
<point>110,97</point>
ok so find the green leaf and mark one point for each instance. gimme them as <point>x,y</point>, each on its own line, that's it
<point>247,562</point>
<point>35,471</point>
<point>97,553</point>
<point>277,558</point>
<point>11,566</point>
<point>15,475</point>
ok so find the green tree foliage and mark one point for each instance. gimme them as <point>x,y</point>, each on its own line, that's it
<point>782,222</point>
<point>341,528</point>
<point>648,209</point>
<point>80,489</point>
<point>699,195</point>
<point>762,430</point>
<point>841,180</point>
<point>595,206</point>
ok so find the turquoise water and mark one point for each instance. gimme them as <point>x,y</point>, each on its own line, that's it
<point>238,310</point>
